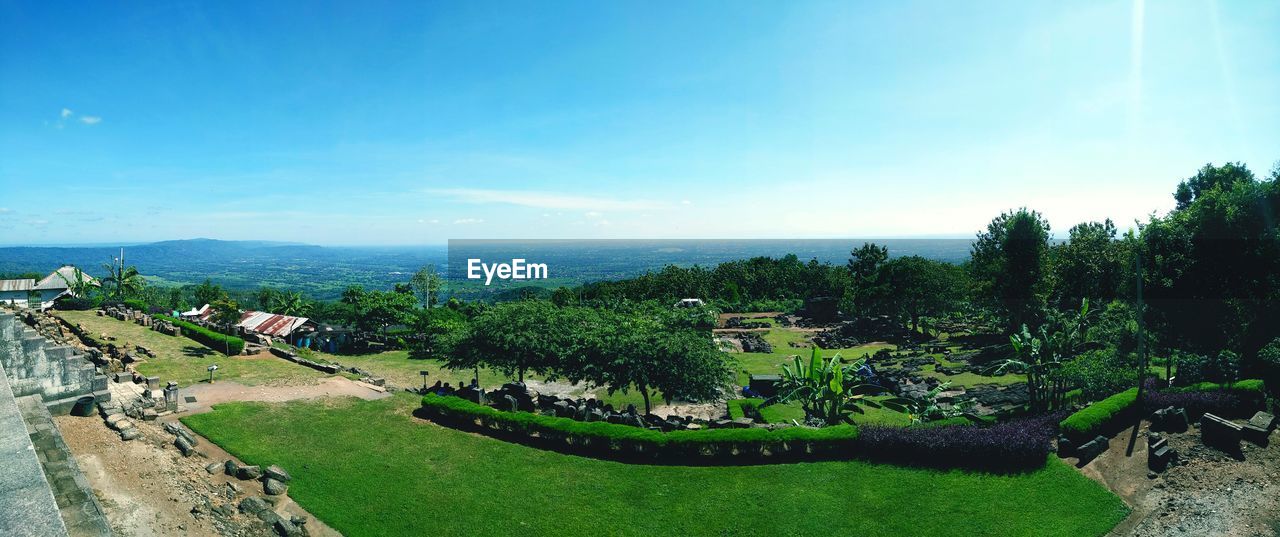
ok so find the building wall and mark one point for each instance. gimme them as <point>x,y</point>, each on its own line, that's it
<point>14,297</point>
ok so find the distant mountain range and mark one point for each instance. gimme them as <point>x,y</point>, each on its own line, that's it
<point>324,271</point>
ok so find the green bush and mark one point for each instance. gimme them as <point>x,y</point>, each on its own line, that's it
<point>135,304</point>
<point>1250,386</point>
<point>1099,417</point>
<point>230,345</point>
<point>636,441</point>
<point>744,408</point>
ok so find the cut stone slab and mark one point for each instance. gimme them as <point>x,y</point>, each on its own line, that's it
<point>1091,449</point>
<point>1263,420</point>
<point>131,433</point>
<point>1220,433</point>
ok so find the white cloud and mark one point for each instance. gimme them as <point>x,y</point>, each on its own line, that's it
<point>4,210</point>
<point>435,221</point>
<point>686,202</point>
<point>593,214</point>
<point>66,112</point>
<point>546,200</point>
<point>90,120</point>
<point>464,221</point>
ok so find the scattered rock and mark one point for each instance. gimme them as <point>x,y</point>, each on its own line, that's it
<point>248,472</point>
<point>273,487</point>
<point>130,434</point>
<point>253,505</point>
<point>277,473</point>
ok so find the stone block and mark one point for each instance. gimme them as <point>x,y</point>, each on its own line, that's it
<point>274,487</point>
<point>1263,420</point>
<point>1091,449</point>
<point>1254,434</point>
<point>277,473</point>
<point>1220,433</point>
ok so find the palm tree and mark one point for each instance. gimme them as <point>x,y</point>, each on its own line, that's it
<point>291,303</point>
<point>126,280</point>
<point>79,284</point>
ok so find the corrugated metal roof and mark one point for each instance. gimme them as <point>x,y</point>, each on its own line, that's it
<point>53,281</point>
<point>270,324</point>
<point>17,285</point>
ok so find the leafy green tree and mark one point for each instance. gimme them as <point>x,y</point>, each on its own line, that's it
<point>123,282</point>
<point>513,337</point>
<point>918,287</point>
<point>426,284</point>
<point>1092,264</point>
<point>829,391</point>
<point>80,285</point>
<point>867,291</point>
<point>207,293</point>
<point>1212,266</point>
<point>1007,263</point>
<point>624,351</point>
<point>226,312</point>
<point>1040,355</point>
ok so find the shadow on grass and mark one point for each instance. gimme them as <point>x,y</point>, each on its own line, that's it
<point>198,352</point>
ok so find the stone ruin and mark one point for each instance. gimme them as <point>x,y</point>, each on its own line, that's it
<point>59,373</point>
<point>515,397</point>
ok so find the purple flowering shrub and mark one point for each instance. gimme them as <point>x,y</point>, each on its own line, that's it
<point>1015,445</point>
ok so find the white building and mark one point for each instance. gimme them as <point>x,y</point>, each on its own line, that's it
<point>31,293</point>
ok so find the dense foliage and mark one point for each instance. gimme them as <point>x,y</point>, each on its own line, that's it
<point>229,345</point>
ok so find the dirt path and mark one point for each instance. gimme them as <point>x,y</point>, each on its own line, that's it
<point>1211,494</point>
<point>223,391</point>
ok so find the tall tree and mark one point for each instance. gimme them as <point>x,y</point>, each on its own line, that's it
<point>207,293</point>
<point>1213,278</point>
<point>1091,264</point>
<point>919,287</point>
<point>426,285</point>
<point>1007,263</point>
<point>124,282</point>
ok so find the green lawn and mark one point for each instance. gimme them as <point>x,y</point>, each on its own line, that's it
<point>369,468</point>
<point>184,360</point>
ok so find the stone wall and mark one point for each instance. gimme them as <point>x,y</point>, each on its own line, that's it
<point>35,366</point>
<point>27,505</point>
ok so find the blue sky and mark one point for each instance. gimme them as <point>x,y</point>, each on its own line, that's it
<point>417,122</point>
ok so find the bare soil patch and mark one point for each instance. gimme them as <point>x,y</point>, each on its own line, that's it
<point>1212,493</point>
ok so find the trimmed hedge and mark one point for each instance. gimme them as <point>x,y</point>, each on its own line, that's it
<point>1024,444</point>
<point>1103,416</point>
<point>625,441</point>
<point>744,408</point>
<point>1100,417</point>
<point>220,342</point>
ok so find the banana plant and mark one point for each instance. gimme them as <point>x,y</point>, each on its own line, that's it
<point>926,408</point>
<point>829,391</point>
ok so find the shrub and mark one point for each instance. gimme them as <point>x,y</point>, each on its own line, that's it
<point>68,303</point>
<point>135,304</point>
<point>230,345</point>
<point>1101,372</point>
<point>634,442</point>
<point>1100,417</point>
<point>744,408</point>
<point>1014,445</point>
<point>1226,400</point>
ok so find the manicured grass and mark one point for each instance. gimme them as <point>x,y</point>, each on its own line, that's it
<point>369,468</point>
<point>184,360</point>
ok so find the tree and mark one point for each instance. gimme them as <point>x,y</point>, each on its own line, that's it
<point>918,287</point>
<point>1041,356</point>
<point>866,290</point>
<point>513,337</point>
<point>291,303</point>
<point>426,284</point>
<point>78,284</point>
<point>829,391</point>
<point>1091,264</point>
<point>124,282</point>
<point>623,350</point>
<point>208,293</point>
<point>1007,263</point>
<point>1213,265</point>
<point>226,312</point>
